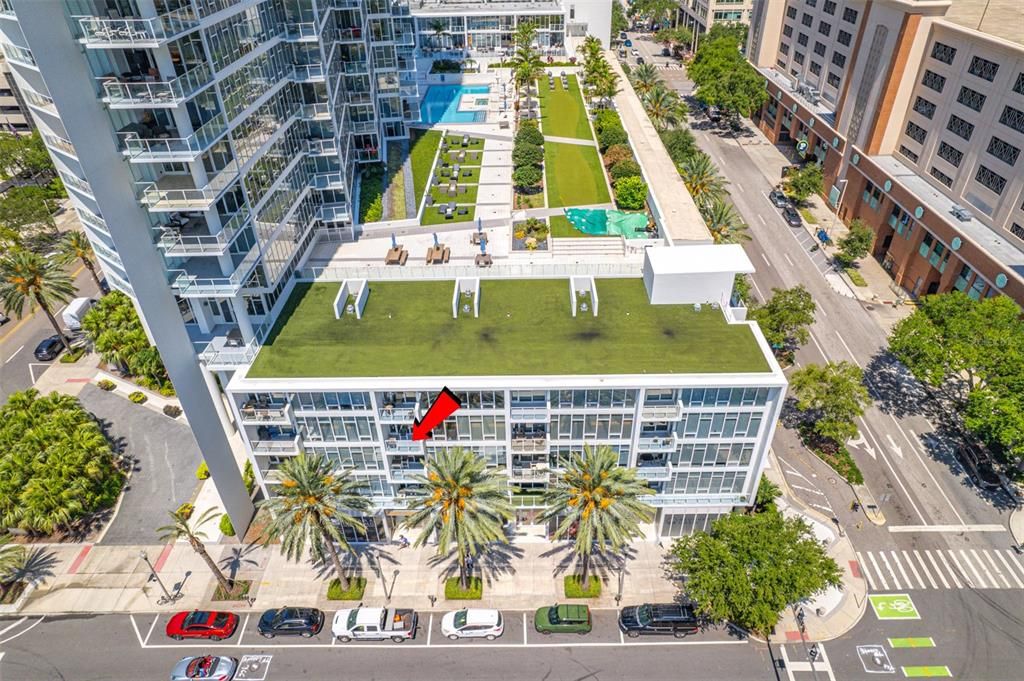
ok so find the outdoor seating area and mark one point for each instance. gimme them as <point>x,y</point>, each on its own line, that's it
<point>396,255</point>
<point>454,181</point>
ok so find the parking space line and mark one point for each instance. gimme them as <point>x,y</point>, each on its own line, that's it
<point>622,639</point>
<point>14,353</point>
<point>761,218</point>
<point>524,628</point>
<point>150,632</point>
<point>396,647</point>
<point>138,635</point>
<point>241,634</point>
<point>430,628</point>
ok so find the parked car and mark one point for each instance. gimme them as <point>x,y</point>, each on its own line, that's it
<point>48,348</point>
<point>639,61</point>
<point>792,216</point>
<point>778,198</point>
<point>714,114</point>
<point>658,618</point>
<point>209,624</point>
<point>563,619</point>
<point>375,624</point>
<point>3,318</point>
<point>472,623</point>
<point>305,622</point>
<point>635,52</point>
<point>623,36</point>
<point>627,42</point>
<point>75,311</point>
<point>207,667</point>
<point>979,465</point>
<point>665,52</point>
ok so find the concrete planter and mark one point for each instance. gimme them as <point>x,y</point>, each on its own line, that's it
<point>22,599</point>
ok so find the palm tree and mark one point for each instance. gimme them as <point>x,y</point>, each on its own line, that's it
<point>463,502</point>
<point>724,223</point>
<point>438,26</point>
<point>179,529</point>
<point>312,504</point>
<point>644,78</point>
<point>75,245</point>
<point>12,557</point>
<point>701,178</point>
<point>27,277</point>
<point>663,107</point>
<point>598,504</point>
<point>606,84</point>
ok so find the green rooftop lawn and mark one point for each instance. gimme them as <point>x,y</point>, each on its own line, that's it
<point>574,175</point>
<point>473,158</point>
<point>455,142</point>
<point>468,196</point>
<point>562,112</point>
<point>432,217</point>
<point>525,328</point>
<point>423,149</point>
<point>562,228</point>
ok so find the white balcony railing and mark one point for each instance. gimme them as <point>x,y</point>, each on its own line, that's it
<point>407,474</point>
<point>131,32</point>
<point>400,414</point>
<point>264,414</point>
<point>219,353</point>
<point>174,243</point>
<point>276,446</point>
<point>144,150</point>
<point>530,444</point>
<point>654,472</point>
<point>308,73</point>
<point>321,147</point>
<point>534,414</point>
<point>156,94</point>
<point>695,499</point>
<point>661,412</point>
<point>660,443</point>
<point>305,31</point>
<point>192,286</point>
<point>394,446</point>
<point>334,212</point>
<point>530,475</point>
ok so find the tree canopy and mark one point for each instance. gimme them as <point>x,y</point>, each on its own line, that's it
<point>785,317</point>
<point>977,348</point>
<point>724,78</point>
<point>802,183</point>
<point>114,329</point>
<point>56,466</point>
<point>833,396</point>
<point>619,21</point>
<point>751,567</point>
<point>856,244</point>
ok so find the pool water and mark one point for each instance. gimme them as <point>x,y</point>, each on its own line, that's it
<point>441,104</point>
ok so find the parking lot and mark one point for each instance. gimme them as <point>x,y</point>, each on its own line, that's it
<point>519,632</point>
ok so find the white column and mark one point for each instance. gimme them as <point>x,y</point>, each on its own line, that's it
<point>242,317</point>
<point>218,400</point>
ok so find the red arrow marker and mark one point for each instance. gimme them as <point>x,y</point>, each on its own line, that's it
<point>444,406</point>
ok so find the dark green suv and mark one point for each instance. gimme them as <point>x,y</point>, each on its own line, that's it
<point>563,619</point>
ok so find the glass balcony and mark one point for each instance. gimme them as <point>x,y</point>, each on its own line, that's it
<point>167,149</point>
<point>321,147</point>
<point>396,446</point>
<point>661,412</point>
<point>695,499</point>
<point>530,414</point>
<point>529,444</point>
<point>316,112</point>
<point>301,32</point>
<point>399,413</point>
<point>101,32</point>
<point>266,413</point>
<point>193,237</point>
<point>178,192</point>
<point>530,474</point>
<point>334,212</point>
<point>403,470</point>
<point>194,282</point>
<point>325,181</point>
<point>654,470</point>
<point>659,443</point>
<point>157,94</point>
<point>308,73</point>
<point>230,351</point>
<point>283,444</point>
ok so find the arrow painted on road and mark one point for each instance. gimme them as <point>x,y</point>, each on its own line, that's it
<point>863,444</point>
<point>444,406</point>
<point>892,443</point>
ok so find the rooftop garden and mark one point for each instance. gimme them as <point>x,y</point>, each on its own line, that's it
<point>561,110</point>
<point>574,175</point>
<point>525,328</point>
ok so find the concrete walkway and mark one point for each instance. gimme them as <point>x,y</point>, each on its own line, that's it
<point>570,140</point>
<point>680,218</point>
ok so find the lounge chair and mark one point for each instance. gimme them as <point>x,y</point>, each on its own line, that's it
<point>447,252</point>
<point>465,140</point>
<point>467,173</point>
<point>441,209</point>
<point>449,216</point>
<point>464,211</point>
<point>430,200</point>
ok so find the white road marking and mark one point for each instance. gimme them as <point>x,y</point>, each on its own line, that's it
<point>899,481</point>
<point>245,625</point>
<point>1009,569</point>
<point>758,289</point>
<point>786,256</point>
<point>822,311</point>
<point>995,567</point>
<point>150,632</point>
<point>947,528</point>
<point>23,631</point>
<point>953,574</point>
<point>524,628</point>
<point>914,449</point>
<point>138,635</point>
<point>984,568</point>
<point>761,218</point>
<point>13,354</point>
<point>878,572</point>
<point>867,573</point>
<point>924,569</point>
<point>765,259</point>
<point>960,568</point>
<point>938,571</point>
<point>32,371</point>
<point>895,579</point>
<point>854,357</point>
<point>910,564</point>
<point>477,644</point>
<point>11,626</point>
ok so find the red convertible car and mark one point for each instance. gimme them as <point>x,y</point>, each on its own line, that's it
<point>208,624</point>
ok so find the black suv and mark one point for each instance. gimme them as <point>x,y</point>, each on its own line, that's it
<point>658,618</point>
<point>791,216</point>
<point>979,466</point>
<point>304,622</point>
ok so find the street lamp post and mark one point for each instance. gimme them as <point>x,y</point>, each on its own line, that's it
<point>167,597</point>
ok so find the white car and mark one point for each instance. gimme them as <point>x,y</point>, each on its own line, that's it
<point>472,623</point>
<point>635,52</point>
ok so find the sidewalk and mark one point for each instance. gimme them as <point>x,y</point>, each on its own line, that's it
<point>840,609</point>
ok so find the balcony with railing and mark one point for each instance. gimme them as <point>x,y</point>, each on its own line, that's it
<point>134,93</point>
<point>321,147</point>
<point>535,473</point>
<point>300,32</point>
<point>175,192</point>
<point>132,32</point>
<point>308,73</point>
<point>404,468</point>
<point>654,469</point>
<point>402,446</point>
<point>266,413</point>
<point>334,212</point>
<point>528,443</point>
<point>184,236</point>
<point>725,500</point>
<point>657,443</point>
<point>200,277</point>
<point>665,411</point>
<point>279,445</point>
<point>405,412</point>
<point>530,413</point>
<point>315,112</point>
<point>227,349</point>
<point>144,144</point>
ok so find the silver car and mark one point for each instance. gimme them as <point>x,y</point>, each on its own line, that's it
<point>207,668</point>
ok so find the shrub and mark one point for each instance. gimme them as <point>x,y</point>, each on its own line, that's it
<point>856,277</point>
<point>624,169</point>
<point>248,477</point>
<point>73,356</point>
<point>106,384</point>
<point>202,471</point>
<point>610,136</point>
<point>167,390</point>
<point>526,176</point>
<point>138,397</point>
<point>354,592</point>
<point>617,153</point>
<point>146,382</point>
<point>630,193</point>
<point>446,66</point>
<point>453,590</point>
<point>529,133</point>
<point>115,331</point>
<point>679,144</point>
<point>574,587</point>
<point>186,510</point>
<point>172,410</point>
<point>226,528</point>
<point>606,118</point>
<point>375,211</point>
<point>526,153</point>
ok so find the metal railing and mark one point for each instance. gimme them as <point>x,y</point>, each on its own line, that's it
<point>175,148</point>
<point>531,444</point>
<point>397,414</point>
<point>278,446</point>
<point>654,472</point>
<point>132,31</point>
<point>300,31</point>
<point>223,355</point>
<point>191,285</point>
<point>334,212</point>
<point>174,243</point>
<point>157,93</point>
<point>661,443</point>
<point>393,445</point>
<point>319,147</point>
<point>659,412</point>
<point>529,413</point>
<point>511,271</point>
<point>303,73</point>
<point>60,144</point>
<point>266,414</point>
<point>695,500</point>
<point>530,475</point>
<point>315,111</point>
<point>335,180</point>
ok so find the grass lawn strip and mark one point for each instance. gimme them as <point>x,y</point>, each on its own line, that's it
<point>423,150</point>
<point>431,217</point>
<point>404,322</point>
<point>473,158</point>
<point>562,111</point>
<point>561,228</point>
<point>475,143</point>
<point>467,197</point>
<point>573,175</point>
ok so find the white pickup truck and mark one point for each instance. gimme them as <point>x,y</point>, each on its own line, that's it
<point>374,624</point>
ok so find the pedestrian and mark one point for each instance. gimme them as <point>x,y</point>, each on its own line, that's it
<point>403,541</point>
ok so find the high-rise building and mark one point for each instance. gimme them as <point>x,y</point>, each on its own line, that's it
<point>14,116</point>
<point>916,111</point>
<point>209,146</point>
<point>700,15</point>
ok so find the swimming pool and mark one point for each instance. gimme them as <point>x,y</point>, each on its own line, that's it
<point>441,104</point>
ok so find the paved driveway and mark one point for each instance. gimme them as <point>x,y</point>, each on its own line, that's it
<point>165,457</point>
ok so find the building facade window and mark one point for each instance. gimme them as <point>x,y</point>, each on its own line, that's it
<point>784,49</point>
<point>839,59</point>
<point>787,31</point>
<point>1017,230</point>
<point>941,176</point>
<point>850,15</point>
<point>824,28</point>
<point>1012,118</point>
<point>1018,86</point>
<point>951,154</point>
<point>943,52</point>
<point>1004,151</point>
<point>844,38</point>
<point>960,127</point>
<point>819,49</point>
<point>972,99</point>
<point>829,7</point>
<point>983,68</point>
<point>933,80</point>
<point>924,107</point>
<point>791,12</point>
<point>807,20</point>
<point>802,39</point>
<point>915,132</point>
<point>798,57</point>
<point>908,153</point>
<point>815,68</point>
<point>833,79</point>
<point>990,180</point>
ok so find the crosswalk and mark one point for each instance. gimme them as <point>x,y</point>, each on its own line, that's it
<point>942,569</point>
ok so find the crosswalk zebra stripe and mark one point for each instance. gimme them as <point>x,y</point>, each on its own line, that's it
<point>903,572</point>
<point>938,571</point>
<point>885,559</point>
<point>995,568</point>
<point>1009,569</point>
<point>984,568</point>
<point>924,569</point>
<point>980,581</point>
<point>968,580</point>
<point>866,572</point>
<point>878,572</point>
<point>913,568</point>
<point>954,574</point>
